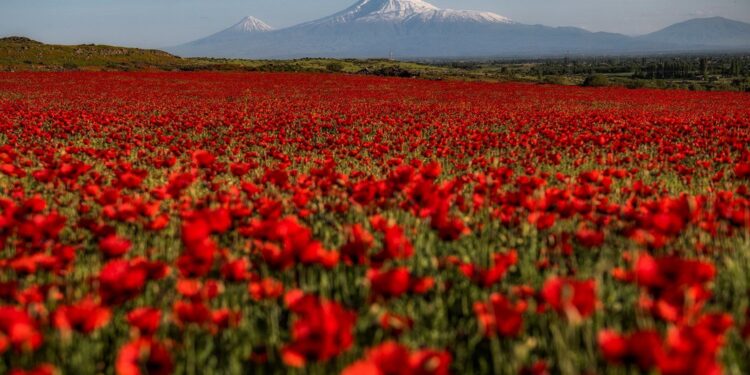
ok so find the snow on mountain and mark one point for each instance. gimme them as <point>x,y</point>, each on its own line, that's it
<point>450,15</point>
<point>251,24</point>
<point>405,10</point>
<point>379,10</point>
<point>247,26</point>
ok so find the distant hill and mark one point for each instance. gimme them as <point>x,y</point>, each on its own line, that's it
<point>24,54</point>
<point>18,53</point>
<point>708,33</point>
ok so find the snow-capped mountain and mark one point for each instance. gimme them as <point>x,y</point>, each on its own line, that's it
<point>415,29</point>
<point>236,33</point>
<point>251,24</point>
<point>379,11</point>
<point>399,11</point>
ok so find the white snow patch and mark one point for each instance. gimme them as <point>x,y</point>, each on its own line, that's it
<point>406,10</point>
<point>251,24</point>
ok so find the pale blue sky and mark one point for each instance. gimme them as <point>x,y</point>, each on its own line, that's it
<point>160,23</point>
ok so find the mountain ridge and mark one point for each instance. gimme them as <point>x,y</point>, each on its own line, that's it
<point>717,31</point>
<point>418,29</point>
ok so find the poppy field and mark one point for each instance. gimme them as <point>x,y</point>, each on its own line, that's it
<point>260,223</point>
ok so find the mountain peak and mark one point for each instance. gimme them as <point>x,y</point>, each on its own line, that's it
<point>382,10</point>
<point>251,24</point>
<point>394,6</point>
<point>407,10</point>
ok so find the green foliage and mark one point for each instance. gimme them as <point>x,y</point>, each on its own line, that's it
<point>638,84</point>
<point>557,80</point>
<point>390,71</point>
<point>335,67</point>
<point>70,66</point>
<point>596,81</point>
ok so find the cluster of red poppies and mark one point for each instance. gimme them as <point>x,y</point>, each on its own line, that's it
<point>220,223</point>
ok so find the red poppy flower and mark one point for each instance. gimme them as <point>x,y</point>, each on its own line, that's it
<point>113,246</point>
<point>500,316</point>
<point>239,169</point>
<point>538,368</point>
<point>44,369</point>
<point>589,237</point>
<point>85,316</point>
<point>359,242</point>
<point>395,282</point>
<point>687,349</point>
<point>488,277</point>
<point>222,319</point>
<point>267,288</point>
<point>542,220</point>
<point>18,330</point>
<point>672,282</point>
<point>573,298</point>
<point>120,281</point>
<point>144,357</point>
<point>391,358</point>
<point>203,159</point>
<point>236,270</point>
<point>395,244</point>
<point>145,319</point>
<point>742,170</point>
<point>321,330</point>
<point>286,242</point>
<point>392,283</point>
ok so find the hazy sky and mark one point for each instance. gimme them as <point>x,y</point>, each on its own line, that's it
<point>161,23</point>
